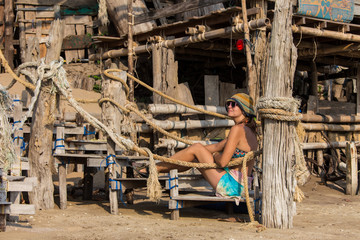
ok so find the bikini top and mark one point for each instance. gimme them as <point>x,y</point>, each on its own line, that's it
<point>238,153</point>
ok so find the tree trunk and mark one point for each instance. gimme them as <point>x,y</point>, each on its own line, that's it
<point>40,152</point>
<point>278,207</point>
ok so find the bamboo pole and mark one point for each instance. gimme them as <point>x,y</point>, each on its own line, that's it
<point>330,127</point>
<point>188,124</point>
<point>325,33</point>
<point>182,41</point>
<point>330,118</point>
<point>179,109</point>
<point>325,145</point>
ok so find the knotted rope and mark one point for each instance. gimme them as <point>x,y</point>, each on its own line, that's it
<point>286,109</point>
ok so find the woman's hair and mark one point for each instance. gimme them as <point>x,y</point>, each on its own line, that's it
<point>251,123</point>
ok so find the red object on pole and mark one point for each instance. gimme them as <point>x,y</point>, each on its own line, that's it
<point>240,44</point>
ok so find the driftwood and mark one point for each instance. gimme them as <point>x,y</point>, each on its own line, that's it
<point>278,206</point>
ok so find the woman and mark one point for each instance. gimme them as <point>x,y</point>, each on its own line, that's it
<point>241,139</point>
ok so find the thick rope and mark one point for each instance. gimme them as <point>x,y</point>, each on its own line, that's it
<point>9,70</point>
<point>286,109</point>
<point>106,73</point>
<point>154,190</point>
<point>246,189</point>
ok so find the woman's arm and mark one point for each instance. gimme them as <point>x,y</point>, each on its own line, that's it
<point>216,147</point>
<point>237,133</point>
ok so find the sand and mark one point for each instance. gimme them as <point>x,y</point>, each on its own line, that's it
<point>326,213</point>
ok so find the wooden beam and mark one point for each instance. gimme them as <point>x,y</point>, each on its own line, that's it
<point>175,9</point>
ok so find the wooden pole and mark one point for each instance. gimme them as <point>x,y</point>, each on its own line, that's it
<point>351,169</point>
<point>113,119</point>
<point>40,152</point>
<point>278,206</point>
<point>251,86</point>
<point>59,141</point>
<point>157,79</point>
<point>9,32</point>
<point>22,37</point>
<point>3,195</point>
<point>130,49</point>
<point>18,142</point>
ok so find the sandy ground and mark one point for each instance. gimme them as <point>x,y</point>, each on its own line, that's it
<point>326,213</point>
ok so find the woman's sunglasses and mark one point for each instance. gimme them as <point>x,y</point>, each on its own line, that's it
<point>231,103</point>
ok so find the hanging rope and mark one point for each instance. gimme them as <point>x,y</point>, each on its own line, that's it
<point>106,73</point>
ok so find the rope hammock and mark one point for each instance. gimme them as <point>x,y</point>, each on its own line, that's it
<point>56,72</point>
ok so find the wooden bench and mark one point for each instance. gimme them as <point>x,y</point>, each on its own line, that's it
<point>205,196</point>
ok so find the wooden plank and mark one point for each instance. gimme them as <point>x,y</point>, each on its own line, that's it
<point>45,15</point>
<point>72,42</point>
<point>20,186</point>
<point>351,169</point>
<point>20,209</point>
<point>70,55</point>
<point>212,89</point>
<point>80,30</point>
<point>175,9</point>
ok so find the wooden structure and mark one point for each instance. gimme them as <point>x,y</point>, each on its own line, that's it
<point>194,49</point>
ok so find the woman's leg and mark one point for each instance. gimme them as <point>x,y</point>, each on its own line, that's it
<point>196,152</point>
